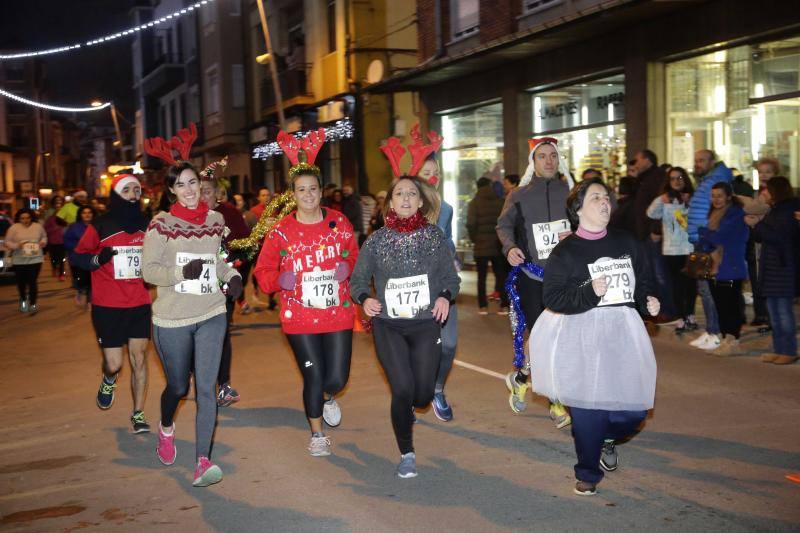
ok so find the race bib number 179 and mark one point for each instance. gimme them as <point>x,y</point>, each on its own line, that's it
<point>128,262</point>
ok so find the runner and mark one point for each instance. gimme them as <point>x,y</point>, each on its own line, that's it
<point>590,349</point>
<point>308,256</point>
<point>26,239</point>
<point>237,229</point>
<point>181,257</point>
<point>533,220</point>
<point>412,269</point>
<point>81,278</point>
<point>111,249</point>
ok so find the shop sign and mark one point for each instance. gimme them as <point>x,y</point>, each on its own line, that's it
<point>578,106</point>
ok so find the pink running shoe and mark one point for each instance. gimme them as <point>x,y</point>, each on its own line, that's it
<point>166,450</point>
<point>206,473</point>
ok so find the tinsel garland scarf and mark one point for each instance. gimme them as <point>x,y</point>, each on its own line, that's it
<point>266,222</point>
<point>516,315</point>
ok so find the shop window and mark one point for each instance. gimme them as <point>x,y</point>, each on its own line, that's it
<point>472,147</point>
<point>743,103</point>
<point>331,11</point>
<point>588,120</point>
<point>532,6</point>
<point>464,16</point>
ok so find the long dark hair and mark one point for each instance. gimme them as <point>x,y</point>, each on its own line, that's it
<point>426,204</point>
<point>688,187</point>
<point>780,189</point>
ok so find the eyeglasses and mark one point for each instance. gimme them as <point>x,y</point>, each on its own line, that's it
<point>676,178</point>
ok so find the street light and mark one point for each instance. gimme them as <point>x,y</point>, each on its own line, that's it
<point>118,142</point>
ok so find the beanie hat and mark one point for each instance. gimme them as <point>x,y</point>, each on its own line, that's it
<point>119,182</point>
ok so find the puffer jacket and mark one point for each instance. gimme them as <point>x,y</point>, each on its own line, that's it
<point>700,204</point>
<point>482,215</point>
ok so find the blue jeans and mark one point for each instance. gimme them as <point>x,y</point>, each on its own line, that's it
<point>661,277</point>
<point>590,427</point>
<point>784,325</point>
<point>710,310</point>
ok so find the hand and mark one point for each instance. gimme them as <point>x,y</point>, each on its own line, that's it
<point>342,271</point>
<point>655,237</point>
<point>372,307</point>
<point>287,281</point>
<point>441,309</point>
<point>600,286</point>
<point>515,257</point>
<point>193,269</point>
<point>106,254</point>
<point>235,287</point>
<point>665,198</point>
<point>653,305</point>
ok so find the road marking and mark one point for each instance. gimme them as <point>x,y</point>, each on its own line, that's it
<point>481,370</point>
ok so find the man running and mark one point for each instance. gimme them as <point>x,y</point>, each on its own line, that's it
<point>533,220</point>
<point>112,249</point>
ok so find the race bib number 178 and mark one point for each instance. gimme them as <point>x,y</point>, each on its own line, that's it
<point>320,290</point>
<point>620,278</point>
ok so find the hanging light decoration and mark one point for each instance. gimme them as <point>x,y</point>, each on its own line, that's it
<point>40,105</point>
<point>342,129</point>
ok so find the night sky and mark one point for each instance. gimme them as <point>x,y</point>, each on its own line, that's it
<point>76,77</point>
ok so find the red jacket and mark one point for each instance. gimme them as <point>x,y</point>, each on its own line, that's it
<point>314,250</point>
<point>107,291</point>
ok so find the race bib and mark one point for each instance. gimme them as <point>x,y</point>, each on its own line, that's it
<point>30,248</point>
<point>545,234</point>
<point>207,284</point>
<point>620,278</point>
<point>320,290</point>
<point>406,297</point>
<point>128,262</point>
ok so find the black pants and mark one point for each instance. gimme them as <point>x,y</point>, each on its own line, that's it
<point>530,298</point>
<point>500,272</point>
<point>684,288</point>
<point>224,375</point>
<point>81,280</point>
<point>27,281</point>
<point>730,305</point>
<point>244,271</point>
<point>409,352</point>
<point>759,301</point>
<point>57,254</point>
<point>324,361</point>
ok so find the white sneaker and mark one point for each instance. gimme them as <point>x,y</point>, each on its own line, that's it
<point>712,343</point>
<point>331,413</point>
<point>319,446</point>
<point>699,341</point>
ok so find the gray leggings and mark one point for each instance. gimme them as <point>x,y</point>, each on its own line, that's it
<point>449,339</point>
<point>176,347</point>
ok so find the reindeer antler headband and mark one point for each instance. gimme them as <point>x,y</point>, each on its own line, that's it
<point>302,152</point>
<point>182,143</point>
<point>419,151</point>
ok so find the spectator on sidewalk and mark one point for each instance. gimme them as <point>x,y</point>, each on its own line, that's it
<point>707,173</point>
<point>725,237</point>
<point>671,208</point>
<point>779,236</point>
<point>351,208</point>
<point>623,216</point>
<point>482,214</point>
<point>510,182</point>
<point>767,168</point>
<point>376,221</point>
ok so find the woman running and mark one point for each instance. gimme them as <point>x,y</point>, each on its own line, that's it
<point>308,257</point>
<point>181,257</point>
<point>26,239</point>
<point>411,265</point>
<point>81,278</point>
<point>592,350</point>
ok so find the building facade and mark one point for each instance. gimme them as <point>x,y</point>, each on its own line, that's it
<point>606,78</point>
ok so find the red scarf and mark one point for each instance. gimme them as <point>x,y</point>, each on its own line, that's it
<point>405,225</point>
<point>193,216</point>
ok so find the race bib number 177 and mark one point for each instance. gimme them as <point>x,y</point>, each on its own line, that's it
<point>406,297</point>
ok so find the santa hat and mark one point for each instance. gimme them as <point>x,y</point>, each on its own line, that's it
<point>119,182</point>
<point>535,144</point>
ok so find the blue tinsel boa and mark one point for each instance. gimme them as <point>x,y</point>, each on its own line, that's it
<point>516,315</point>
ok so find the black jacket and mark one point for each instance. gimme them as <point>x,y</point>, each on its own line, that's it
<point>780,245</point>
<point>651,185</point>
<point>482,215</point>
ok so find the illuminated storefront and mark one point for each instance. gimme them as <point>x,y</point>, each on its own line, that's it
<point>588,119</point>
<point>743,103</point>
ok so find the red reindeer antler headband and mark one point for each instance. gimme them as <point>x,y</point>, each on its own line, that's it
<point>419,151</point>
<point>182,143</point>
<point>302,152</point>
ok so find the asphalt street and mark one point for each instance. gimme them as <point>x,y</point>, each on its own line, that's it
<point>712,456</point>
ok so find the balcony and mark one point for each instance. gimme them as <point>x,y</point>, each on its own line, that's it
<point>295,89</point>
<point>163,75</point>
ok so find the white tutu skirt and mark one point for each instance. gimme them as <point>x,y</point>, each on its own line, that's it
<point>600,359</point>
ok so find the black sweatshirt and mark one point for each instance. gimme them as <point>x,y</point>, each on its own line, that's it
<point>567,280</point>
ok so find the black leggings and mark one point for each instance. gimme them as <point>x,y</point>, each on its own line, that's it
<point>27,284</point>
<point>530,298</point>
<point>684,288</point>
<point>409,352</point>
<point>57,254</point>
<point>224,375</point>
<point>324,361</point>
<point>729,302</point>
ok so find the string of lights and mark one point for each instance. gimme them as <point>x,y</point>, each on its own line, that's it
<point>342,129</point>
<point>109,37</point>
<point>22,100</point>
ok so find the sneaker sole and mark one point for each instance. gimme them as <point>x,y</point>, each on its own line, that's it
<point>440,416</point>
<point>513,404</point>
<point>167,463</point>
<point>607,468</point>
<point>407,476</point>
<point>101,405</point>
<point>209,477</point>
<point>140,430</point>
<point>585,493</point>
<point>320,454</point>
<point>330,424</point>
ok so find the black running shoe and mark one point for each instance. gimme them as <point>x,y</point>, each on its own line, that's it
<point>105,395</point>
<point>140,425</point>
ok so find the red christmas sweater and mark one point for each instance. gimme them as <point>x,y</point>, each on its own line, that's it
<point>119,282</point>
<point>312,252</point>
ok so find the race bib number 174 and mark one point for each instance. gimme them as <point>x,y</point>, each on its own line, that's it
<point>620,278</point>
<point>207,283</point>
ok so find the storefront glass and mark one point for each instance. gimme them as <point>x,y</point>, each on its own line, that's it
<point>742,103</point>
<point>588,119</point>
<point>472,147</point>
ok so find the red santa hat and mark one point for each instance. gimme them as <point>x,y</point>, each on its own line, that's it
<point>119,182</point>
